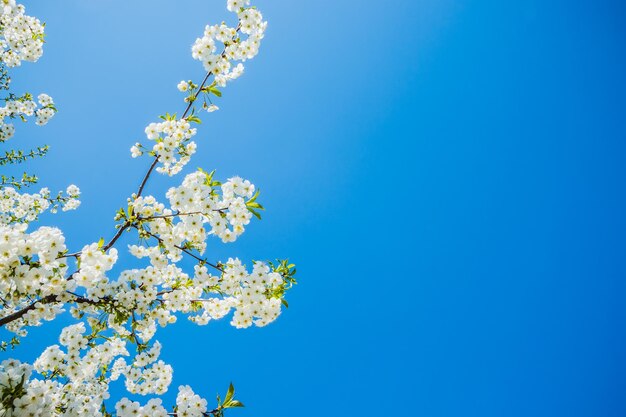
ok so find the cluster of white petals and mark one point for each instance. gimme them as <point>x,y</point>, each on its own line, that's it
<point>84,366</point>
<point>198,208</point>
<point>172,145</point>
<point>31,263</point>
<point>21,36</point>
<point>220,60</point>
<point>188,403</point>
<point>24,107</point>
<point>94,263</point>
<point>30,396</point>
<point>21,39</point>
<point>137,302</point>
<point>25,207</point>
<point>128,408</point>
<point>256,296</point>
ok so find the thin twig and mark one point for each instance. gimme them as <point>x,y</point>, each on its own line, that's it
<point>193,213</point>
<point>193,255</point>
<point>116,237</point>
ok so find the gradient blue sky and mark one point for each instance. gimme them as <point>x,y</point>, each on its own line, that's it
<point>448,176</point>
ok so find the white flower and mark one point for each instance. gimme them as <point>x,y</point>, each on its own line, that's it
<point>73,191</point>
<point>183,86</point>
<point>136,151</point>
<point>234,5</point>
<point>44,100</point>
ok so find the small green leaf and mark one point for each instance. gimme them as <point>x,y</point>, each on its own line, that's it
<point>255,213</point>
<point>229,394</point>
<point>215,91</point>
<point>254,197</point>
<point>194,119</point>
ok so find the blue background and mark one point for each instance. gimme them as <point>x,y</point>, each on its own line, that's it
<point>448,176</point>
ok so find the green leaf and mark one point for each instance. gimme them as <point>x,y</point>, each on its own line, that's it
<point>229,394</point>
<point>194,119</point>
<point>254,197</point>
<point>255,213</point>
<point>215,91</point>
<point>253,206</point>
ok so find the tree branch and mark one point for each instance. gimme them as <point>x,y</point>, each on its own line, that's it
<point>205,414</point>
<point>192,100</point>
<point>116,237</point>
<point>20,313</point>
<point>177,214</point>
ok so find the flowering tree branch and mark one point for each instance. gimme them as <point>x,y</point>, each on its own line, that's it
<point>20,313</point>
<point>117,317</point>
<point>190,102</point>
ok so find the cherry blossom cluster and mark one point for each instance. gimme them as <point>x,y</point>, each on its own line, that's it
<point>77,374</point>
<point>127,408</point>
<point>138,301</point>
<point>188,404</point>
<point>19,395</point>
<point>21,39</point>
<point>29,266</point>
<point>25,207</point>
<point>221,47</point>
<point>47,110</point>
<point>235,48</point>
<point>142,298</point>
<point>173,145</point>
<point>199,207</point>
<point>94,263</point>
<point>23,107</point>
<point>256,297</point>
<point>21,36</point>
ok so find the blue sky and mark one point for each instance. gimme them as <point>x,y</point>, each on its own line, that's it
<point>448,176</point>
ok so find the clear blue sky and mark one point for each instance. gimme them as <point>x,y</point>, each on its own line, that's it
<point>449,177</point>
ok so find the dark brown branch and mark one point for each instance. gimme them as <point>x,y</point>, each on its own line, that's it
<point>20,313</point>
<point>145,178</point>
<point>165,216</point>
<point>205,414</point>
<point>116,237</point>
<point>46,300</point>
